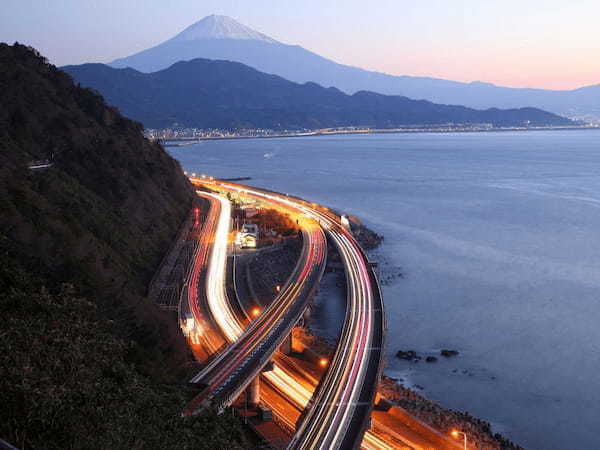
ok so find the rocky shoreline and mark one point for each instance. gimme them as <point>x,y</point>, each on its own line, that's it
<point>442,419</point>
<point>367,238</point>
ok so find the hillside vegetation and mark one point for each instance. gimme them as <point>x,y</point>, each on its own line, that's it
<point>86,361</point>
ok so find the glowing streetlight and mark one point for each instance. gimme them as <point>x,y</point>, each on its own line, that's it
<point>193,174</point>
<point>323,362</point>
<point>456,433</point>
<point>278,288</point>
<point>255,311</point>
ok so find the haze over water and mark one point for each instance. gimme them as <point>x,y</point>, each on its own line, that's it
<point>497,235</point>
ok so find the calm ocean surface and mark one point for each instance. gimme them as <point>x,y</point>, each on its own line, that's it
<point>498,238</point>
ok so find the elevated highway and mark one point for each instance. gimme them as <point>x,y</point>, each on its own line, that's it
<point>243,360</point>
<point>338,413</point>
<point>288,388</point>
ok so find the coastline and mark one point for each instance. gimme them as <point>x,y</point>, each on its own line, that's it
<point>187,140</point>
<point>395,397</point>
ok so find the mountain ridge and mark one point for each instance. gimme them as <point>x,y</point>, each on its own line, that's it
<point>204,93</point>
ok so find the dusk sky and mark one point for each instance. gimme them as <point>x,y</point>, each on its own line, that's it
<point>547,44</point>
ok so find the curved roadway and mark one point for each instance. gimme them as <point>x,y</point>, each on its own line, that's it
<point>228,374</point>
<point>339,411</point>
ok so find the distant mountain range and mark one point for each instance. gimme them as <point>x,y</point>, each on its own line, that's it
<point>220,37</point>
<point>222,94</point>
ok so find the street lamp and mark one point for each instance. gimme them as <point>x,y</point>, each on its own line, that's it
<point>455,434</point>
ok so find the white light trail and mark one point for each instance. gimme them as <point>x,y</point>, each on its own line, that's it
<point>350,363</point>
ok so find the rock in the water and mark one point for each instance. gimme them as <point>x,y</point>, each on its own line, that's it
<point>431,359</point>
<point>408,355</point>
<point>448,353</point>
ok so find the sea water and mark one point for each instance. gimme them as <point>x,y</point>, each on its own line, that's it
<point>497,236</point>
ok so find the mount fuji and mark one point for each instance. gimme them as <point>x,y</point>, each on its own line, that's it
<point>220,27</point>
<point>223,38</point>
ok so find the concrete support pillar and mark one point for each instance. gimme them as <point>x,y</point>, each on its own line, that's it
<point>253,391</point>
<point>268,367</point>
<point>286,345</point>
<point>306,315</point>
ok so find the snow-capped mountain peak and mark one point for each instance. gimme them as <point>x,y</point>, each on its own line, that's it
<point>220,27</point>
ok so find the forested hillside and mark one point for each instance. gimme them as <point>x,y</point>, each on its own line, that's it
<point>86,361</point>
